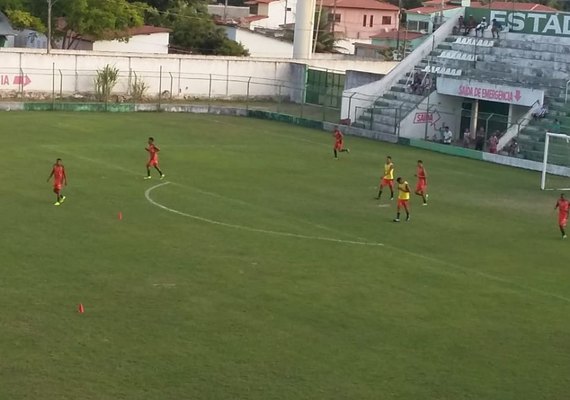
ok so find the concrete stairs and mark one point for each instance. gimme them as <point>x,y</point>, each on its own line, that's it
<point>531,139</point>
<point>390,109</point>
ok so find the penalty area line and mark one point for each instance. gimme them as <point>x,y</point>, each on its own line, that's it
<point>248,228</point>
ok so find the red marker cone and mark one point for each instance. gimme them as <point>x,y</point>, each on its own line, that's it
<point>81,309</point>
<point>120,216</point>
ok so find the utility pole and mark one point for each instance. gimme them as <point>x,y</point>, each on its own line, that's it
<point>225,11</point>
<point>50,4</point>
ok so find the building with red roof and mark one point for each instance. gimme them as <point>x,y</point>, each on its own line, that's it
<point>360,19</point>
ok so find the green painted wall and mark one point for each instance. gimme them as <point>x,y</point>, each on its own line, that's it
<point>536,23</point>
<point>442,148</point>
<point>97,107</point>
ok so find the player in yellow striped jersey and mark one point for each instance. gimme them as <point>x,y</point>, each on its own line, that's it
<point>403,199</point>
<point>387,178</point>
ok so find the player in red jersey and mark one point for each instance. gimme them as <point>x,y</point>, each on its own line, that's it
<point>153,160</point>
<point>562,206</point>
<point>59,180</point>
<point>338,143</point>
<point>421,185</point>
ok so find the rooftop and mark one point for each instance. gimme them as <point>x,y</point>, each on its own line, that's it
<point>253,2</point>
<point>430,9</point>
<point>505,5</point>
<point>360,4</point>
<point>135,31</point>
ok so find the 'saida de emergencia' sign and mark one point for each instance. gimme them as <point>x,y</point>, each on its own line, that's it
<point>489,92</point>
<point>532,22</point>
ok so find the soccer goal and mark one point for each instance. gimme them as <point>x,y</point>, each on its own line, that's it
<point>556,163</point>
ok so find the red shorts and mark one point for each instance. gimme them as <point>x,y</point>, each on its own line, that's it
<point>421,186</point>
<point>387,182</point>
<point>402,203</point>
<point>152,163</point>
<point>338,146</point>
<point>563,221</point>
<point>57,186</point>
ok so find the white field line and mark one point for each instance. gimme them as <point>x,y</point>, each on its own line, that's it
<point>457,267</point>
<point>248,228</point>
<point>454,266</point>
<point>204,192</point>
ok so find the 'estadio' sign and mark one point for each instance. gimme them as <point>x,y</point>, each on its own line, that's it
<point>489,92</point>
<point>536,23</point>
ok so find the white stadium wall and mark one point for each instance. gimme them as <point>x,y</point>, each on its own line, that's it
<point>73,72</point>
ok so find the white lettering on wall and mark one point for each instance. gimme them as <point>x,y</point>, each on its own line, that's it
<point>536,18</point>
<point>553,24</point>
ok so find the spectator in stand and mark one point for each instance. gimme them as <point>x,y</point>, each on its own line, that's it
<point>496,28</point>
<point>481,27</point>
<point>494,143</point>
<point>416,82</point>
<point>467,138</point>
<point>447,135</point>
<point>540,112</point>
<point>514,149</point>
<point>470,25</point>
<point>480,139</point>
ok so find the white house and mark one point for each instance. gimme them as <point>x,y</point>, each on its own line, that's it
<point>143,39</point>
<point>276,12</point>
<point>260,45</point>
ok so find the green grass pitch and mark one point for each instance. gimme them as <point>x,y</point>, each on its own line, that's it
<point>234,294</point>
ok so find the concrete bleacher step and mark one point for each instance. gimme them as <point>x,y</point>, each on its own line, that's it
<point>398,89</point>
<point>381,103</point>
<point>440,70</point>
<point>471,41</point>
<point>457,55</point>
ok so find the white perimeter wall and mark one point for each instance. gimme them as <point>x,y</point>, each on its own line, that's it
<point>155,43</point>
<point>185,76</point>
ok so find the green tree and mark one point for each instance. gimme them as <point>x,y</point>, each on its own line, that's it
<point>73,18</point>
<point>194,30</point>
<point>322,33</point>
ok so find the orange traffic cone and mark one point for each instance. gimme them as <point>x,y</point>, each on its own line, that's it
<point>81,309</point>
<point>120,216</point>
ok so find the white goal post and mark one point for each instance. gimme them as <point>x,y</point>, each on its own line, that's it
<point>546,166</point>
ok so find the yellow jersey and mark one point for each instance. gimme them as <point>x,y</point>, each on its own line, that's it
<point>403,194</point>
<point>389,171</point>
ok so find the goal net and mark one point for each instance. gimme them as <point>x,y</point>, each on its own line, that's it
<point>556,162</point>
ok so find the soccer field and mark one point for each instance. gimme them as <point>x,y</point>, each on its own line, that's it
<point>261,268</point>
